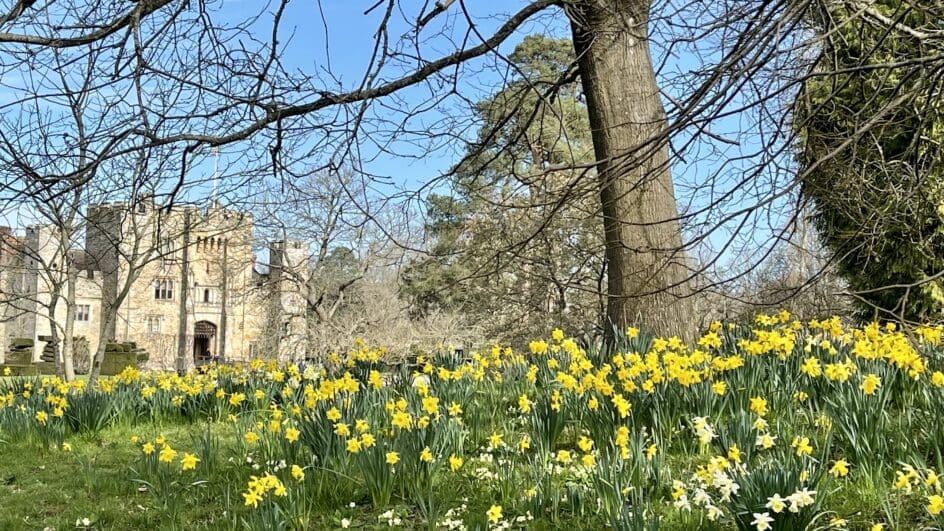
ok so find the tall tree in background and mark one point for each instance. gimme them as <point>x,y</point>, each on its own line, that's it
<point>879,116</point>
<point>517,244</point>
<point>440,280</point>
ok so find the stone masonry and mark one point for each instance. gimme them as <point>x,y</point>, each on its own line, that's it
<point>197,296</point>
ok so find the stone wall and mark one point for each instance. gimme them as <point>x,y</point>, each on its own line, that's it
<point>204,256</point>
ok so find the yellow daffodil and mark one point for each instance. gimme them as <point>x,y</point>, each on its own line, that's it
<point>840,468</point>
<point>189,461</point>
<point>426,455</point>
<point>494,514</point>
<point>167,454</point>
<point>252,498</point>
<point>870,384</point>
<point>524,404</point>
<point>935,504</point>
<point>584,444</point>
<point>353,446</point>
<point>802,446</point>
<point>759,406</point>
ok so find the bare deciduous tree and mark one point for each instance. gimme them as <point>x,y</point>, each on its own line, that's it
<point>184,75</point>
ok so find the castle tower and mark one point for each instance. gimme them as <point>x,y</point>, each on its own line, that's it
<point>220,280</point>
<point>105,233</point>
<point>44,266</point>
<point>288,275</point>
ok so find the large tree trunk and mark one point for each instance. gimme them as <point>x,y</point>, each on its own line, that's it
<point>109,316</point>
<point>183,326</point>
<point>68,342</point>
<point>53,328</point>
<point>224,300</point>
<point>71,277</point>
<point>647,268</point>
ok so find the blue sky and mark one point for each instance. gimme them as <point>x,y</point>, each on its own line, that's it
<point>334,39</point>
<point>349,41</point>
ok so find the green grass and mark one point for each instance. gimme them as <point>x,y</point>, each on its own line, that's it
<point>40,489</point>
<point>52,488</point>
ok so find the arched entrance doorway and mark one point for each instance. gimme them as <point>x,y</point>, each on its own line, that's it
<point>204,342</point>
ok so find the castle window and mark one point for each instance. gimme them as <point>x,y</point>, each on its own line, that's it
<point>164,289</point>
<point>205,295</point>
<point>154,324</point>
<point>83,312</point>
<point>167,249</point>
<point>253,349</point>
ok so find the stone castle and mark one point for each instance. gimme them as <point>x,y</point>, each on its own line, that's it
<point>191,290</point>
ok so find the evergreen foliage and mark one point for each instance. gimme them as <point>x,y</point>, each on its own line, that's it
<point>517,242</point>
<point>871,123</point>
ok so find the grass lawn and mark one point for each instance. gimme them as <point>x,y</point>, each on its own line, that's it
<point>52,488</point>
<point>97,479</point>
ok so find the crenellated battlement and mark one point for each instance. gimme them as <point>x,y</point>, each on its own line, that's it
<point>195,292</point>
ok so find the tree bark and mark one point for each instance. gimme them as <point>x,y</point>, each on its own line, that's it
<point>183,326</point>
<point>53,330</point>
<point>646,264</point>
<point>109,316</point>
<point>224,300</point>
<point>68,342</point>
